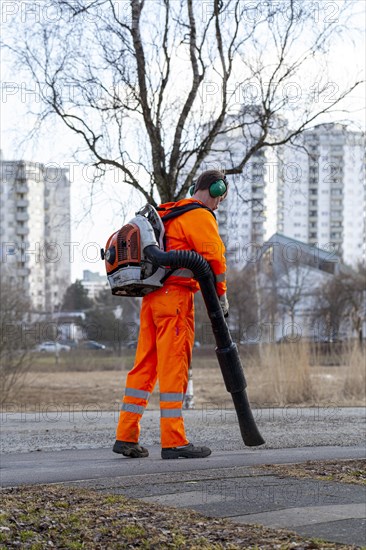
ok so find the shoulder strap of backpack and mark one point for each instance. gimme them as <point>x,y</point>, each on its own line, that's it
<point>174,213</point>
<point>179,210</point>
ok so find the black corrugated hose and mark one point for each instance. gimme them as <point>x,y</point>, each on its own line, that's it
<point>226,350</point>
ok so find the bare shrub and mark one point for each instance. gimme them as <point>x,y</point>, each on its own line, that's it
<point>15,359</point>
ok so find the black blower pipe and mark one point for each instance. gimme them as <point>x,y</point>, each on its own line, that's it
<point>226,350</point>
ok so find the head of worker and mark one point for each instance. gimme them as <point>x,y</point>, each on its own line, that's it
<point>210,188</point>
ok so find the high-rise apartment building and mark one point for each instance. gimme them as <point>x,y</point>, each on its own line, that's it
<point>313,191</point>
<point>34,229</point>
<point>325,204</point>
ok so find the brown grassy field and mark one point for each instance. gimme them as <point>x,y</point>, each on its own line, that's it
<point>277,375</point>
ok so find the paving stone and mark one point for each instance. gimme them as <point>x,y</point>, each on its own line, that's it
<point>347,531</point>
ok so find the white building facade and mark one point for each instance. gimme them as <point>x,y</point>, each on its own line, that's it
<point>94,283</point>
<point>325,204</point>
<point>313,192</point>
<point>35,231</point>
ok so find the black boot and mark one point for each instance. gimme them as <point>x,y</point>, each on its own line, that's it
<point>130,449</point>
<point>188,451</point>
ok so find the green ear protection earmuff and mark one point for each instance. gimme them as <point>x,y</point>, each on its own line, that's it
<point>216,189</point>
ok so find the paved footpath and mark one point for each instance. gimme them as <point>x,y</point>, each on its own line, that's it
<point>54,445</point>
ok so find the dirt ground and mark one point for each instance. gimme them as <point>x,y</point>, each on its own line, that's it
<point>99,380</point>
<point>103,388</point>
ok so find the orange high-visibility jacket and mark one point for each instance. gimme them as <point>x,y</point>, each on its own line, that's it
<point>195,230</point>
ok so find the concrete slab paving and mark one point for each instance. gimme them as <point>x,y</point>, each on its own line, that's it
<point>346,531</point>
<point>185,499</point>
<point>306,515</point>
<point>320,509</point>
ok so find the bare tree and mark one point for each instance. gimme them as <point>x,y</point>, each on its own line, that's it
<point>15,359</point>
<point>292,286</point>
<point>285,285</point>
<point>354,284</point>
<point>150,87</point>
<point>330,306</point>
<point>243,302</point>
<point>341,299</point>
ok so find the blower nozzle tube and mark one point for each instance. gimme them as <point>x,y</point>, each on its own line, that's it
<point>226,351</point>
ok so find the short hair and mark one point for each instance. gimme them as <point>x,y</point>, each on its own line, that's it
<point>207,178</point>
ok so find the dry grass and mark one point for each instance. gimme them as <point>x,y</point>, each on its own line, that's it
<point>355,379</point>
<point>294,374</point>
<point>340,471</point>
<point>282,375</point>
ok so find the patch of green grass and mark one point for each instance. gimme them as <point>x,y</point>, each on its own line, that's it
<point>112,499</point>
<point>360,474</point>
<point>26,535</point>
<point>61,504</point>
<point>132,531</point>
<point>178,539</point>
<point>4,537</point>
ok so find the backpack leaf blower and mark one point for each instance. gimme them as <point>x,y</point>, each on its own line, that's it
<point>137,264</point>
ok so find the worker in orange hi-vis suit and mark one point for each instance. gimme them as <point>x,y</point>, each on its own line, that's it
<point>166,334</point>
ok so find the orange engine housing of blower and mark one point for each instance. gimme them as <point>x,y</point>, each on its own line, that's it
<point>129,272</point>
<point>123,248</point>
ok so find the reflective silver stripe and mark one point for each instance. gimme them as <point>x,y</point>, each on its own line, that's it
<point>170,413</point>
<point>170,396</point>
<point>221,277</point>
<point>131,408</point>
<point>187,273</point>
<point>132,392</point>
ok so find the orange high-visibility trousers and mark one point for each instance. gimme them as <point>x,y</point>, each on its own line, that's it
<point>164,352</point>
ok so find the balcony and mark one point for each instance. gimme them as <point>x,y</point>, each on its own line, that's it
<point>22,203</point>
<point>21,216</point>
<point>21,230</point>
<point>21,188</point>
<point>336,217</point>
<point>23,272</point>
